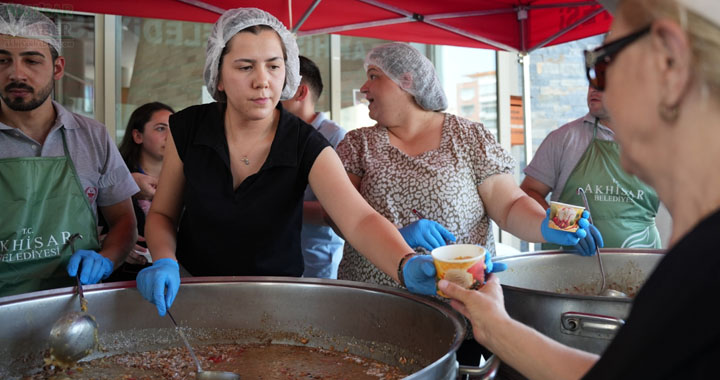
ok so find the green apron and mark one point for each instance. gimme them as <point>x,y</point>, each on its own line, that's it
<point>42,203</point>
<point>622,207</point>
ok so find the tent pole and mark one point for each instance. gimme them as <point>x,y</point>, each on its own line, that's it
<point>204,5</point>
<point>305,16</point>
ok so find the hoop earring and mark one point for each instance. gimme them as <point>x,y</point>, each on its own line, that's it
<point>669,114</point>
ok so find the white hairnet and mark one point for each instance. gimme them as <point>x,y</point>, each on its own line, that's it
<point>235,20</point>
<point>22,21</point>
<point>412,71</point>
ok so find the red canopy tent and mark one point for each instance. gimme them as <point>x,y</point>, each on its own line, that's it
<point>512,25</point>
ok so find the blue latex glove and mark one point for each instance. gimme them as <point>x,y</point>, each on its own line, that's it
<point>558,237</point>
<point>491,267</point>
<point>95,267</point>
<point>153,281</point>
<point>426,233</point>
<point>587,245</point>
<point>488,267</point>
<point>419,275</point>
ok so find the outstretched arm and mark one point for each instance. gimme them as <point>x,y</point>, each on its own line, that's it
<point>536,190</point>
<point>512,209</point>
<point>533,354</point>
<point>162,219</point>
<point>122,232</point>
<point>366,230</point>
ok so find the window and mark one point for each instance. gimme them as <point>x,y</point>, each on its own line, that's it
<point>467,93</point>
<point>75,90</point>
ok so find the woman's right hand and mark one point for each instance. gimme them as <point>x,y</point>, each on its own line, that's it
<point>160,283</point>
<point>482,307</point>
<point>147,184</point>
<point>427,234</point>
<point>135,256</point>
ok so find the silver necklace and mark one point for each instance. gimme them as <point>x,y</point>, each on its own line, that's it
<point>246,161</point>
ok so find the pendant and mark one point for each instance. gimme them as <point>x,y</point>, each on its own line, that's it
<point>246,161</point>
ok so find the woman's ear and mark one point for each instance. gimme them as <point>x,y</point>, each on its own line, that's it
<point>137,137</point>
<point>406,81</point>
<point>673,60</point>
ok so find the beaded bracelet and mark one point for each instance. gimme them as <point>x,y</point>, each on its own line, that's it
<point>400,267</point>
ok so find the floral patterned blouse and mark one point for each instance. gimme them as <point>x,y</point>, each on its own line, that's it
<point>442,184</point>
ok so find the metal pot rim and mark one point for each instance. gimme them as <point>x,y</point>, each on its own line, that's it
<point>445,309</point>
<point>508,260</point>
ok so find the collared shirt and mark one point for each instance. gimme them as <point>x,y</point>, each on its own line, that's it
<point>254,229</point>
<point>103,174</point>
<point>561,151</point>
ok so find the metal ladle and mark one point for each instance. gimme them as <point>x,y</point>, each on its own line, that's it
<point>604,291</point>
<point>74,335</point>
<point>202,375</point>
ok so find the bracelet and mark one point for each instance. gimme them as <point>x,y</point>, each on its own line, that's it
<point>401,278</point>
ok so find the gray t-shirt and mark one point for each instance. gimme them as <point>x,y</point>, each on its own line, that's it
<point>103,174</point>
<point>561,151</point>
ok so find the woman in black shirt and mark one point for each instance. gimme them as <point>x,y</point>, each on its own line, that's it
<point>239,168</point>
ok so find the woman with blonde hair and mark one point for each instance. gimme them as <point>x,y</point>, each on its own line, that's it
<point>660,69</point>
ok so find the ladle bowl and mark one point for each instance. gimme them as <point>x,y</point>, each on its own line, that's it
<point>74,335</point>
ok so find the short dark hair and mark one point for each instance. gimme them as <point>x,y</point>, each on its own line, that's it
<point>311,76</point>
<point>129,150</point>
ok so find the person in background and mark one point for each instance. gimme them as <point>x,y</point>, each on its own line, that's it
<point>321,246</point>
<point>56,169</point>
<point>143,149</point>
<point>583,153</point>
<point>660,70</point>
<point>239,169</point>
<point>438,177</point>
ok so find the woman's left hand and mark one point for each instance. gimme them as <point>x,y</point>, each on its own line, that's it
<point>565,238</point>
<point>587,246</point>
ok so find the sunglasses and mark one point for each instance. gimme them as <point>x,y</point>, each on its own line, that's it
<point>598,60</point>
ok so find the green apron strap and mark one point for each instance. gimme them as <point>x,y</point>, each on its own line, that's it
<point>623,207</point>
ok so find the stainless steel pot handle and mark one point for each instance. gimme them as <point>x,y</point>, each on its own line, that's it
<point>485,372</point>
<point>590,325</point>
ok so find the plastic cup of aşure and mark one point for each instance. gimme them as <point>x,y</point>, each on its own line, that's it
<point>453,263</point>
<point>564,217</point>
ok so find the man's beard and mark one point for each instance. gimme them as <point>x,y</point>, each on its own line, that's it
<point>18,104</point>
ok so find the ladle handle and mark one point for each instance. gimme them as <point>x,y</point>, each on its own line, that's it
<point>71,241</point>
<point>581,192</point>
<point>187,344</point>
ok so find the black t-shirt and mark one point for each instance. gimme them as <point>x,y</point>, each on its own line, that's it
<point>255,229</point>
<point>672,331</point>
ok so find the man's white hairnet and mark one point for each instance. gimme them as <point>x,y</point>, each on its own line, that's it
<point>229,24</point>
<point>22,21</point>
<point>412,71</point>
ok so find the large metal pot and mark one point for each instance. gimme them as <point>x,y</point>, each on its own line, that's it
<point>535,288</point>
<point>418,334</point>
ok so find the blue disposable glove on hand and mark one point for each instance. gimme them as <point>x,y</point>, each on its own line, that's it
<point>419,275</point>
<point>488,267</point>
<point>426,233</point>
<point>586,246</point>
<point>95,267</point>
<point>558,237</point>
<point>160,283</point>
<point>491,267</point>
